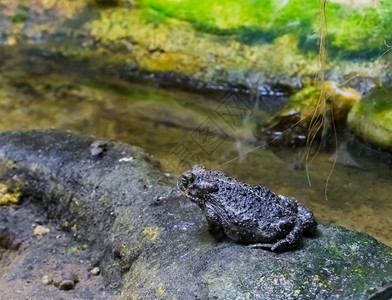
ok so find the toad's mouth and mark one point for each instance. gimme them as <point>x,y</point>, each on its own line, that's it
<point>187,192</point>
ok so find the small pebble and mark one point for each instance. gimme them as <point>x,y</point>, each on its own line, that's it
<point>56,279</point>
<point>40,230</point>
<point>95,271</point>
<point>66,285</point>
<point>46,280</point>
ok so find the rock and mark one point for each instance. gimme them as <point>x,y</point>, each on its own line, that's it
<point>57,279</point>
<point>65,279</point>
<point>46,280</point>
<point>148,250</point>
<point>69,275</point>
<point>98,148</point>
<point>41,230</point>
<point>290,125</point>
<point>95,271</point>
<point>371,118</point>
<point>66,285</point>
<point>25,258</point>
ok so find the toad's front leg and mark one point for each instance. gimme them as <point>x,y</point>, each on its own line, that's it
<point>214,224</point>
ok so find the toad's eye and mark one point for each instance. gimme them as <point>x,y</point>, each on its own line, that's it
<point>184,181</point>
<point>187,179</point>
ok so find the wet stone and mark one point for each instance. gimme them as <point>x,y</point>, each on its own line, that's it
<point>95,271</point>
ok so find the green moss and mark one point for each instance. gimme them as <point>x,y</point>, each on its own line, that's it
<point>175,46</point>
<point>371,118</point>
<point>362,29</point>
<point>350,29</point>
<point>20,15</point>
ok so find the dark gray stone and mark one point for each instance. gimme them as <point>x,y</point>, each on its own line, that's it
<point>148,249</point>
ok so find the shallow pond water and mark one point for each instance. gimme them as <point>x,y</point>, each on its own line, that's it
<point>181,128</point>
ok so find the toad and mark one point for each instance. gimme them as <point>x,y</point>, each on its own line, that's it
<point>245,213</point>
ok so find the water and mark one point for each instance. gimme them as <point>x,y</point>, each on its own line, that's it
<point>181,128</point>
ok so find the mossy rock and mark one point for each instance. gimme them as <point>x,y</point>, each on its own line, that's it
<point>371,118</point>
<point>149,249</point>
<point>328,102</point>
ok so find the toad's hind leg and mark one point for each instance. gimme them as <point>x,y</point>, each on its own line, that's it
<point>309,222</point>
<point>289,242</point>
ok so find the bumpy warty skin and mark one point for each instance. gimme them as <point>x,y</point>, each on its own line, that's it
<point>246,213</point>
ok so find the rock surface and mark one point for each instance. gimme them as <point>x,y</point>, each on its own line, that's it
<point>150,250</point>
<point>371,118</point>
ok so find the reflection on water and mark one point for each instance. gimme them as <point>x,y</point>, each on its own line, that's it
<point>181,128</point>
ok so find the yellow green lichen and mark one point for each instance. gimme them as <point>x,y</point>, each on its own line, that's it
<point>160,290</point>
<point>129,295</point>
<point>72,250</point>
<point>123,250</point>
<point>319,281</point>
<point>152,233</point>
<point>7,197</point>
<point>358,271</point>
<point>8,164</point>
